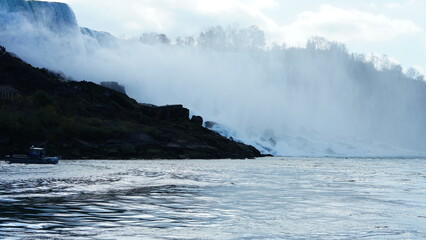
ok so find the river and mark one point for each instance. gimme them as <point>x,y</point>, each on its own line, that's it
<point>267,198</point>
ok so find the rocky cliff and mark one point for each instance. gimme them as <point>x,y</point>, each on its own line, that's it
<point>83,120</point>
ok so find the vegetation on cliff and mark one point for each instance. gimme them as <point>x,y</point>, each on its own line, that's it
<point>86,120</point>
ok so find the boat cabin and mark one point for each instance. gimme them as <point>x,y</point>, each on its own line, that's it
<point>35,156</point>
<point>36,152</point>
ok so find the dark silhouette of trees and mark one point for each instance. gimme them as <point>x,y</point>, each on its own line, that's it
<point>153,38</point>
<point>2,51</point>
<point>185,41</point>
<point>232,38</point>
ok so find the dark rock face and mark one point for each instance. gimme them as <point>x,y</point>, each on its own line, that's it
<point>197,120</point>
<point>114,86</point>
<point>83,120</point>
<point>170,112</point>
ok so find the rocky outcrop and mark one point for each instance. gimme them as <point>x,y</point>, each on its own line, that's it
<point>83,120</point>
<point>170,112</point>
<point>197,120</point>
<point>114,86</point>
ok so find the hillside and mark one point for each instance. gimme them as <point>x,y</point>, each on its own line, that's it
<point>83,120</point>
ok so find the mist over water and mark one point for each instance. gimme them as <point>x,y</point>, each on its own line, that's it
<point>313,101</point>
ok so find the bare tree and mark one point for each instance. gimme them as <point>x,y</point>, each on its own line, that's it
<point>185,41</point>
<point>232,38</point>
<point>154,38</point>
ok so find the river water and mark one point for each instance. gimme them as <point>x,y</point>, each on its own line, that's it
<point>268,198</point>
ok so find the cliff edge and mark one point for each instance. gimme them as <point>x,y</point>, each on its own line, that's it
<point>83,120</point>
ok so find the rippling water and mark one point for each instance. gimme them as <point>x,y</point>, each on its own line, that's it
<point>272,198</point>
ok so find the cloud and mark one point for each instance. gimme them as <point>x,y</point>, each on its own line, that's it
<point>346,25</point>
<point>188,17</point>
<point>174,17</point>
<point>393,5</point>
<point>407,3</point>
<point>361,26</point>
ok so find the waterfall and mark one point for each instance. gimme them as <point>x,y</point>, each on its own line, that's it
<point>58,17</point>
<point>319,100</point>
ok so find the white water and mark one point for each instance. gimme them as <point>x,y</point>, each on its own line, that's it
<point>315,101</point>
<point>272,198</point>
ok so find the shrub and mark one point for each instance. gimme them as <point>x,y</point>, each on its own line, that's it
<point>41,98</point>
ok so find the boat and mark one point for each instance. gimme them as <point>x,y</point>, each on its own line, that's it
<point>35,156</point>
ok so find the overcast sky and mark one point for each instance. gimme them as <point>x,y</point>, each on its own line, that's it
<point>396,28</point>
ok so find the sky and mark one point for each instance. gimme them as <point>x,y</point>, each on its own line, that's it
<point>396,28</point>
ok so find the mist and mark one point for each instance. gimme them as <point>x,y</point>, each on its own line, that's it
<point>319,100</point>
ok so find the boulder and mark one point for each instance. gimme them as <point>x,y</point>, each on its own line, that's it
<point>197,119</point>
<point>171,112</point>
